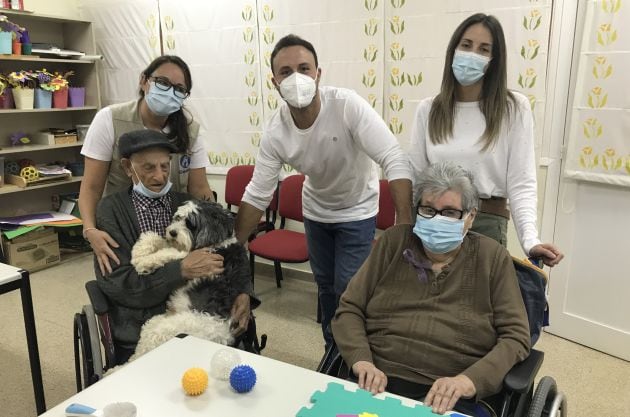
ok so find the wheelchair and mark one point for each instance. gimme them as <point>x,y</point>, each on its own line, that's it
<point>93,330</point>
<point>520,398</point>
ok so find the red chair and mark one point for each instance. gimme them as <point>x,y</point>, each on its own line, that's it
<point>386,216</point>
<point>283,245</point>
<point>236,181</point>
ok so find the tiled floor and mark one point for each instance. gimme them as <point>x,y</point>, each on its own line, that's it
<point>596,384</point>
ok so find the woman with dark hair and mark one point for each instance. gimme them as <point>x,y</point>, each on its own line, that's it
<point>478,123</point>
<point>164,85</point>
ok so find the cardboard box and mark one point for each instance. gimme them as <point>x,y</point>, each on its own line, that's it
<point>47,138</point>
<point>33,251</point>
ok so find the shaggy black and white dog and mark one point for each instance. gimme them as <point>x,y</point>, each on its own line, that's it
<point>201,307</point>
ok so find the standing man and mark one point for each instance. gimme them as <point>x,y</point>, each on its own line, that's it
<point>334,137</point>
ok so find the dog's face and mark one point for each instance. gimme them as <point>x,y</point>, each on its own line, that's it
<point>198,224</point>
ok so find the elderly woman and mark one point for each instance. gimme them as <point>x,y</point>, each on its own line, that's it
<point>435,313</point>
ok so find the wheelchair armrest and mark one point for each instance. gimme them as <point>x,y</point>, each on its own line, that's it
<point>97,298</point>
<point>521,377</point>
<point>333,364</point>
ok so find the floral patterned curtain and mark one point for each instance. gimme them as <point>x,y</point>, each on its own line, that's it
<point>127,34</point>
<point>390,51</point>
<point>599,142</point>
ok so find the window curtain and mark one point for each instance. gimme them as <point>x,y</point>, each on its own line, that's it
<point>599,142</point>
<point>390,51</point>
<point>127,34</point>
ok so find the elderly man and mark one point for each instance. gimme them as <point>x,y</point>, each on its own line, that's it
<point>435,311</point>
<point>148,206</point>
<point>334,137</point>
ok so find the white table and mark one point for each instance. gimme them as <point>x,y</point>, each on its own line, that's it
<point>11,279</point>
<point>153,383</point>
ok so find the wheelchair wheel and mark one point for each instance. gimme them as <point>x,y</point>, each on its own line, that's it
<point>543,397</point>
<point>83,364</point>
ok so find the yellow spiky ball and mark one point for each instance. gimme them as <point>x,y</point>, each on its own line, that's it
<point>195,381</point>
<point>29,173</point>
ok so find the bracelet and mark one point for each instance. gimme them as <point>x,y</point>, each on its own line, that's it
<point>87,230</point>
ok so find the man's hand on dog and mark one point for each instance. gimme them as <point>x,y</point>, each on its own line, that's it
<point>201,263</point>
<point>240,314</point>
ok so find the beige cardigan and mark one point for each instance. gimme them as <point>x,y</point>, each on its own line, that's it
<point>468,319</point>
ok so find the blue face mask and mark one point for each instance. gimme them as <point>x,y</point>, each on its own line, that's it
<point>162,103</point>
<point>469,67</point>
<point>439,234</point>
<point>140,188</point>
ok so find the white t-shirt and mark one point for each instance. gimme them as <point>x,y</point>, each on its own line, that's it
<point>337,155</point>
<point>99,141</point>
<point>507,170</point>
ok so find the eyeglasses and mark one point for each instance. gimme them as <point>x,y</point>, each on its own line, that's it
<point>164,84</point>
<point>429,212</point>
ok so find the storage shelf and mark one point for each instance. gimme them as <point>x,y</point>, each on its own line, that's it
<point>72,34</point>
<point>35,147</point>
<point>10,188</point>
<point>18,111</point>
<point>30,58</point>
<point>37,16</point>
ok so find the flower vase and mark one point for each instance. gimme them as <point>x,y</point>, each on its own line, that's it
<point>17,48</point>
<point>76,96</point>
<point>24,98</point>
<point>6,40</point>
<point>6,99</point>
<point>60,98</point>
<point>43,99</point>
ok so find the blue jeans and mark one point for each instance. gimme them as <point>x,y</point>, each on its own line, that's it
<point>336,251</point>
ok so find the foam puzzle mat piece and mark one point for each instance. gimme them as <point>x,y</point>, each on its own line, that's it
<point>336,400</point>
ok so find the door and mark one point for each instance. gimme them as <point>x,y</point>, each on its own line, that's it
<point>589,292</point>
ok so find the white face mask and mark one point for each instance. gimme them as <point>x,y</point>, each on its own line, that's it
<point>140,188</point>
<point>298,90</point>
<point>469,67</point>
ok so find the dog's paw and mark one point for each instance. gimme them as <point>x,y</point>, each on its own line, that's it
<point>143,266</point>
<point>144,271</point>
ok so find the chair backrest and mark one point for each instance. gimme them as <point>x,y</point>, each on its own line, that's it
<point>236,180</point>
<point>532,282</point>
<point>290,198</point>
<point>386,213</point>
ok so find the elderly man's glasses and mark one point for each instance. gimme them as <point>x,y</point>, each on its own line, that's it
<point>429,212</point>
<point>164,84</point>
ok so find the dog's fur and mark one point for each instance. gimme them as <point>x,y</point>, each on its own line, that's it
<point>201,307</point>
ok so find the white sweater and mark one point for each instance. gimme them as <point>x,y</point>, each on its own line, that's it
<point>507,170</point>
<point>337,155</point>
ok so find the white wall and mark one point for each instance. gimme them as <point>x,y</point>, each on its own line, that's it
<point>65,8</point>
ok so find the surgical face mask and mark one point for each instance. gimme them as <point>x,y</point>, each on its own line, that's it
<point>440,234</point>
<point>469,67</point>
<point>140,188</point>
<point>298,90</point>
<point>162,103</point>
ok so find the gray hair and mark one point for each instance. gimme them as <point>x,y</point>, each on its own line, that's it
<point>438,178</point>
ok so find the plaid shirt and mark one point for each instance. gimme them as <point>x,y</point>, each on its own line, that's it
<point>154,214</point>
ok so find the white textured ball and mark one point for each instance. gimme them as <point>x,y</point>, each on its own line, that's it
<point>223,362</point>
